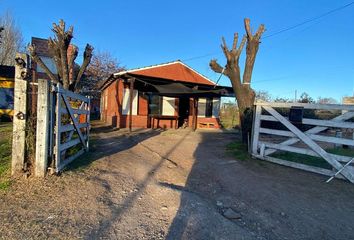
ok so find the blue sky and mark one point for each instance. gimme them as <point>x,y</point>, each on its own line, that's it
<point>317,58</point>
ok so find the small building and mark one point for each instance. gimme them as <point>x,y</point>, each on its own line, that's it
<point>348,100</point>
<point>169,95</point>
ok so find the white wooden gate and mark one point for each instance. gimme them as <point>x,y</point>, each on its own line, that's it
<point>71,126</point>
<point>311,141</point>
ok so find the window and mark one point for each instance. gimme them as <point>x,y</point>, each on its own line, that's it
<point>168,106</point>
<point>126,102</point>
<point>165,106</point>
<point>208,107</point>
<point>49,62</point>
<point>155,105</point>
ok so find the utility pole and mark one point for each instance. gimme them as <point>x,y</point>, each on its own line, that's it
<point>295,95</point>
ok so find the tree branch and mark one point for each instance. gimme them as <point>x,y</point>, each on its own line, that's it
<point>240,48</point>
<point>63,39</point>
<point>72,56</point>
<point>248,28</point>
<point>86,62</point>
<point>55,52</point>
<point>215,66</point>
<point>234,45</point>
<point>38,60</point>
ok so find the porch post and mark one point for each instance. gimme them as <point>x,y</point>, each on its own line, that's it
<point>195,114</point>
<point>131,98</point>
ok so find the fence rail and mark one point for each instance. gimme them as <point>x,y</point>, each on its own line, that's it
<point>267,140</point>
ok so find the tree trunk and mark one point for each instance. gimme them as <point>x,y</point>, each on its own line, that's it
<point>245,95</point>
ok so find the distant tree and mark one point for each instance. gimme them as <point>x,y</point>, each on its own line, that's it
<point>69,74</point>
<point>305,98</point>
<point>102,65</point>
<point>245,95</point>
<point>11,40</point>
<point>263,95</point>
<point>280,99</point>
<point>326,100</point>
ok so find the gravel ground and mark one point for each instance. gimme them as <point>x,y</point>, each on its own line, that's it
<point>175,184</point>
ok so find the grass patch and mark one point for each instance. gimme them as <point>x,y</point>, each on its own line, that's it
<point>85,160</point>
<point>303,159</point>
<point>313,161</point>
<point>238,150</point>
<point>5,154</point>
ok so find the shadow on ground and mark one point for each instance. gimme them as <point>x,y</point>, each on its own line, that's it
<point>104,142</point>
<point>273,202</point>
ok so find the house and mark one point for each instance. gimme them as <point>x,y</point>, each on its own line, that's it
<point>168,95</point>
<point>7,75</point>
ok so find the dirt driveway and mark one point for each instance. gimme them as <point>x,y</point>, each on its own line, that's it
<point>175,184</point>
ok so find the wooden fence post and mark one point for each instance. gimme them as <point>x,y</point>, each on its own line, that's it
<point>42,134</point>
<point>20,113</point>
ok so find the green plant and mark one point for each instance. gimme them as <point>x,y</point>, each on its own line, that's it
<point>238,150</point>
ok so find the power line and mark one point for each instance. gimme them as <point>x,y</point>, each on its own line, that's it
<point>309,20</point>
<point>282,30</point>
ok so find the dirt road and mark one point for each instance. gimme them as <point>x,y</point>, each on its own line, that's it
<point>175,184</point>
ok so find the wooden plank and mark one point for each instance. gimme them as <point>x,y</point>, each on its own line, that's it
<point>69,144</point>
<point>75,111</point>
<point>315,137</point>
<point>316,122</point>
<point>57,130</point>
<point>88,107</point>
<point>300,166</point>
<point>318,129</point>
<point>42,131</point>
<point>255,129</point>
<point>19,117</point>
<point>309,142</point>
<point>74,120</point>
<point>72,94</point>
<point>70,127</point>
<point>307,106</point>
<point>69,160</point>
<point>305,151</point>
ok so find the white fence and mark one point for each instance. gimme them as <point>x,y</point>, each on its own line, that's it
<point>311,136</point>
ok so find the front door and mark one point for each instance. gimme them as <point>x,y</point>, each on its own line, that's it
<point>183,111</point>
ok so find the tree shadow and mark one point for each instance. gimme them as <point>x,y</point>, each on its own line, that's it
<point>117,141</point>
<point>116,211</point>
<point>273,202</point>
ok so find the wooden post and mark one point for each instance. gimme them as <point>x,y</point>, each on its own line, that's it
<point>195,113</point>
<point>255,130</point>
<point>131,98</point>
<point>42,135</point>
<point>20,113</point>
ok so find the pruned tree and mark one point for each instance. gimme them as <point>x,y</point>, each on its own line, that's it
<point>245,95</point>
<point>11,40</point>
<point>102,65</point>
<point>64,55</point>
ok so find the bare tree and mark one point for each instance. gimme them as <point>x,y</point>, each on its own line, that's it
<point>263,95</point>
<point>11,40</point>
<point>64,55</point>
<point>102,65</point>
<point>326,100</point>
<point>245,95</point>
<point>306,98</point>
